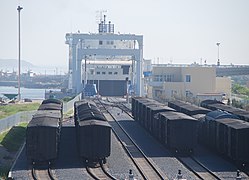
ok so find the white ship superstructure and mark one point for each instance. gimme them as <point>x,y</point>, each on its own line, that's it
<point>105,59</point>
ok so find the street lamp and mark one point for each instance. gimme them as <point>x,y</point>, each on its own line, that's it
<point>19,8</point>
<point>218,62</point>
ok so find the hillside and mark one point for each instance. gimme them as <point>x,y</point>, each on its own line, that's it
<point>13,64</point>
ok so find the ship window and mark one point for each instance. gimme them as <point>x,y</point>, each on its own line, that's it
<point>100,42</point>
<point>109,72</point>
<point>98,72</point>
<point>103,72</point>
<point>115,72</point>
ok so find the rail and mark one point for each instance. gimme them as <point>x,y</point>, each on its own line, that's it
<point>198,168</point>
<point>99,173</point>
<point>146,167</point>
<point>42,173</point>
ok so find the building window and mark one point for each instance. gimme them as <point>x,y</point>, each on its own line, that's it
<point>103,72</point>
<point>169,78</point>
<point>91,71</point>
<point>188,78</point>
<point>98,72</point>
<point>156,78</point>
<point>109,72</point>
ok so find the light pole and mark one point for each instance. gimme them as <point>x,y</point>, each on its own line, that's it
<point>218,62</point>
<point>19,8</point>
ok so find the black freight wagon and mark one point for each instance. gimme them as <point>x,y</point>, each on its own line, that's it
<point>187,108</point>
<point>94,140</point>
<point>176,104</point>
<point>209,138</point>
<point>208,102</point>
<point>145,115</point>
<point>153,123</point>
<point>235,136</point>
<point>42,138</point>
<point>93,132</point>
<point>191,110</point>
<point>133,104</point>
<point>242,114</point>
<point>141,110</point>
<point>54,101</point>
<point>222,136</point>
<point>178,131</point>
<point>50,106</point>
<point>238,142</point>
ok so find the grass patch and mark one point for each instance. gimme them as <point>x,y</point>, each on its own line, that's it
<point>11,109</point>
<point>13,139</point>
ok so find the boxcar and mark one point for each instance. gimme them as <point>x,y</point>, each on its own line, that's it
<point>211,127</point>
<point>176,104</point>
<point>50,106</point>
<point>93,132</point>
<point>208,102</point>
<point>238,144</point>
<point>94,140</point>
<point>141,110</point>
<point>234,134</point>
<point>153,124</point>
<point>222,136</point>
<point>42,138</point>
<point>145,115</point>
<point>133,105</point>
<point>187,108</point>
<point>178,131</point>
<point>242,114</point>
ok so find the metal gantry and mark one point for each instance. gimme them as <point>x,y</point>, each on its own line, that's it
<point>78,51</point>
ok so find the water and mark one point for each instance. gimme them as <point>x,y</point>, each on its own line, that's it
<point>25,92</point>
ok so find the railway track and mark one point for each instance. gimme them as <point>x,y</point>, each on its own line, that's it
<point>191,163</point>
<point>198,168</point>
<point>41,173</point>
<point>145,166</point>
<point>99,173</point>
<point>120,105</point>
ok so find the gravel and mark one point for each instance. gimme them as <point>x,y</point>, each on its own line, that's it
<point>69,165</point>
<point>168,164</point>
<point>21,170</point>
<point>119,162</point>
<point>217,164</point>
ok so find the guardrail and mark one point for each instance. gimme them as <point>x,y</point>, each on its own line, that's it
<point>25,116</point>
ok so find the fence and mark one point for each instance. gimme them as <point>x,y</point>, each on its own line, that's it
<point>69,105</point>
<point>25,116</point>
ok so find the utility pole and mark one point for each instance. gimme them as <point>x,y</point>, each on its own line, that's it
<point>218,62</point>
<point>19,8</point>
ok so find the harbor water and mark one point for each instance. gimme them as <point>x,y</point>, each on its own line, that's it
<point>25,92</point>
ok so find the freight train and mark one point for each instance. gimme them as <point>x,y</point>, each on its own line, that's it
<point>43,132</point>
<point>223,129</point>
<point>216,105</point>
<point>93,132</point>
<point>175,130</point>
<point>224,132</point>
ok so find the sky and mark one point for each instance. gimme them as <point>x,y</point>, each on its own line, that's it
<point>175,31</point>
